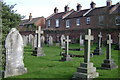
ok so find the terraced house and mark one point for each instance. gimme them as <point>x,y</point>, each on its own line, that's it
<point>105,19</point>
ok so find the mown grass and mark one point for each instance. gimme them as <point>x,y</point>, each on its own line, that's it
<point>49,66</point>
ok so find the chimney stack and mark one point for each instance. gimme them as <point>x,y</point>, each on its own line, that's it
<point>78,7</point>
<point>92,5</point>
<point>30,17</point>
<point>66,8</point>
<point>109,3</point>
<point>55,10</point>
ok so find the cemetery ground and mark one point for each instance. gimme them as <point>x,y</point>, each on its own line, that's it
<point>49,66</point>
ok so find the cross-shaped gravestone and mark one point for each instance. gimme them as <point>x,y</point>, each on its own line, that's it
<point>108,62</point>
<point>39,32</point>
<point>86,69</point>
<point>109,41</point>
<point>88,39</point>
<point>38,50</point>
<point>99,41</point>
<point>67,45</point>
<point>66,56</point>
<point>119,41</point>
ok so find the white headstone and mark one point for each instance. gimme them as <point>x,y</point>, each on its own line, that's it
<point>81,41</point>
<point>42,40</point>
<point>14,54</point>
<point>35,41</point>
<point>50,41</point>
<point>62,42</point>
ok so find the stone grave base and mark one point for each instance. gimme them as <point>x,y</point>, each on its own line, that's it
<point>86,70</point>
<point>38,52</point>
<point>15,72</point>
<point>97,51</point>
<point>57,44</point>
<point>71,55</point>
<point>79,49</point>
<point>108,64</point>
<point>66,58</point>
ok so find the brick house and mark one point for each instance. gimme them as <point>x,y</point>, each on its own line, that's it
<point>105,19</point>
<point>28,26</point>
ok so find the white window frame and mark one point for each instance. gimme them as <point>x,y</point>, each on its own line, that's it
<point>67,23</point>
<point>57,22</point>
<point>77,22</point>
<point>48,23</point>
<point>117,19</point>
<point>88,20</point>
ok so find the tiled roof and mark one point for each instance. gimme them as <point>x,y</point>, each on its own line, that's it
<point>26,21</point>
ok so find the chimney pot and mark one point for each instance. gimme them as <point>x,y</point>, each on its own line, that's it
<point>78,7</point>
<point>30,17</point>
<point>92,4</point>
<point>109,3</point>
<point>66,8</point>
<point>55,10</point>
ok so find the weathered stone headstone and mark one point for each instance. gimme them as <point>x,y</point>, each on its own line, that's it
<point>98,50</point>
<point>81,41</point>
<point>30,38</point>
<point>24,40</point>
<point>38,50</point>
<point>117,47</point>
<point>35,41</point>
<point>108,62</point>
<point>86,69</point>
<point>66,56</point>
<point>14,54</point>
<point>42,40</point>
<point>50,41</point>
<point>58,41</point>
<point>62,42</point>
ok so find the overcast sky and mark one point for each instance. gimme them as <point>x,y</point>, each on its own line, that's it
<point>45,8</point>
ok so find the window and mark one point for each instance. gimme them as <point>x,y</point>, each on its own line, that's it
<point>88,20</point>
<point>48,23</point>
<point>77,22</point>
<point>117,20</point>
<point>67,23</point>
<point>101,20</point>
<point>57,22</point>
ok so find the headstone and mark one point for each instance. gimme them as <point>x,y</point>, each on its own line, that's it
<point>30,38</point>
<point>117,47</point>
<point>66,56</point>
<point>38,50</point>
<point>58,41</point>
<point>24,40</point>
<point>86,69</point>
<point>35,41</point>
<point>42,40</point>
<point>50,41</point>
<point>108,62</point>
<point>62,42</point>
<point>98,50</point>
<point>14,54</point>
<point>81,41</point>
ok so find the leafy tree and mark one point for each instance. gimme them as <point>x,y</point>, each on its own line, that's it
<point>10,19</point>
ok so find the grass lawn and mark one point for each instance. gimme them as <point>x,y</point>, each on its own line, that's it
<point>49,66</point>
